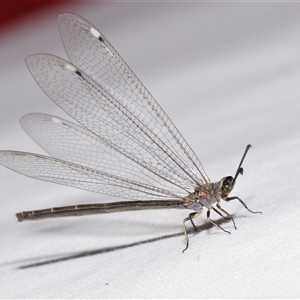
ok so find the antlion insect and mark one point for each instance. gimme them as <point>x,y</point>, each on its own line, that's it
<point>126,145</point>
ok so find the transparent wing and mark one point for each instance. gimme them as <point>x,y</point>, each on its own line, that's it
<point>126,147</point>
<point>66,173</point>
<point>70,142</point>
<point>112,118</point>
<point>89,50</point>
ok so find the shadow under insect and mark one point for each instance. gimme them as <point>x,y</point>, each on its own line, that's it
<point>64,257</point>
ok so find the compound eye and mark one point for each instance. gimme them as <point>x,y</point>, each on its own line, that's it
<point>225,187</point>
<point>227,184</point>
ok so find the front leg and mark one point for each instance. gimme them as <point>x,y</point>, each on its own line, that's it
<point>243,203</point>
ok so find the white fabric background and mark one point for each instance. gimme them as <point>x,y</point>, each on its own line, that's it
<point>227,74</point>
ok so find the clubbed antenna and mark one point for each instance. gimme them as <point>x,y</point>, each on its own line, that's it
<point>240,170</point>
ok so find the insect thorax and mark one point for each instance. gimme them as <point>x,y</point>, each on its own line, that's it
<point>204,196</point>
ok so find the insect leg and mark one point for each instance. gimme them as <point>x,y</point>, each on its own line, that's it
<point>229,216</point>
<point>189,218</point>
<point>215,223</point>
<point>243,203</point>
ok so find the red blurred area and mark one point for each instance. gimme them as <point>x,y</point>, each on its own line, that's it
<point>12,11</point>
